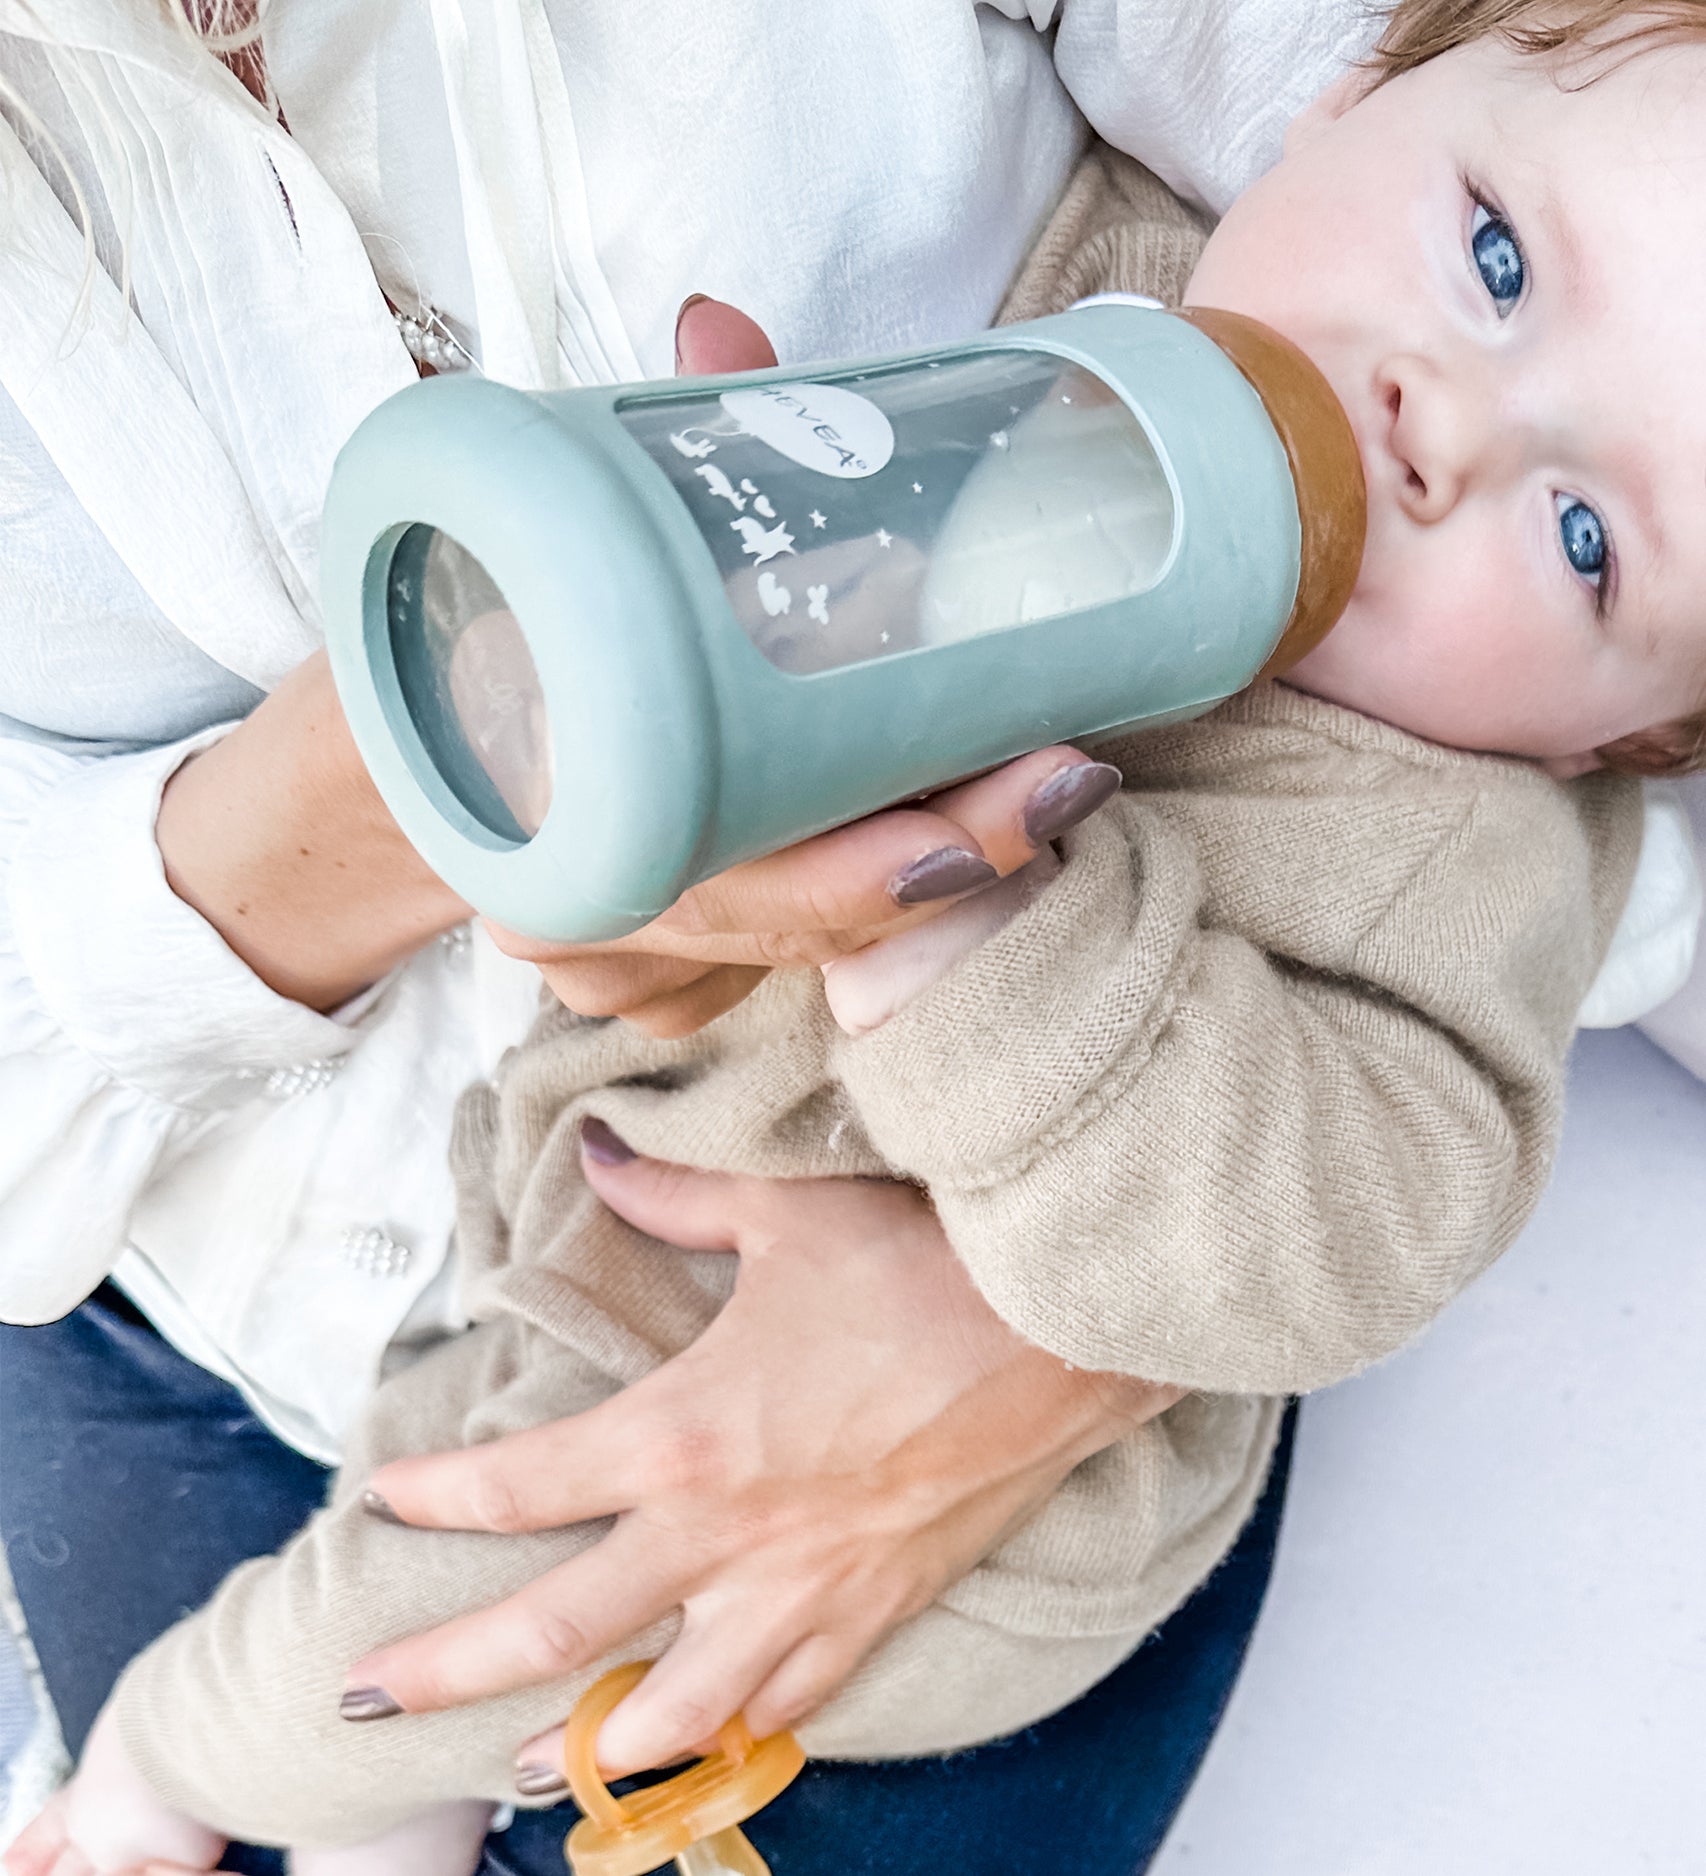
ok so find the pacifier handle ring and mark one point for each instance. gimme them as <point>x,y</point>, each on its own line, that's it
<point>580,1744</point>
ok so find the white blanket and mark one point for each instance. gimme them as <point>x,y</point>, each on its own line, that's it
<point>32,1760</point>
<point>1679,1025</point>
<point>1656,944</point>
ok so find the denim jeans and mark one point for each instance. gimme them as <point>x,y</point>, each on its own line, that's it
<point>132,1481</point>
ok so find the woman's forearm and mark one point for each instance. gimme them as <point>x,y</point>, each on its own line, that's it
<point>278,838</point>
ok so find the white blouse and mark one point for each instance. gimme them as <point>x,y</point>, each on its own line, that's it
<point>554,177</point>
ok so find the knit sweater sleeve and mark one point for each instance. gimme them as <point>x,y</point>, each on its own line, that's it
<point>1274,1067</point>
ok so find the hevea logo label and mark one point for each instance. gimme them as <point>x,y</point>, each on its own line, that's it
<point>822,427</point>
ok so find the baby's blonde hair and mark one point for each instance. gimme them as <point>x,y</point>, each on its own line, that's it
<point>1419,30</point>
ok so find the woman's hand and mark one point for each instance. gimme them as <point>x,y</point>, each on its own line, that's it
<point>853,1433</point>
<point>825,899</point>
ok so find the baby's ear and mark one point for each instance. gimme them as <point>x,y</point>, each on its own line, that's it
<point>1347,89</point>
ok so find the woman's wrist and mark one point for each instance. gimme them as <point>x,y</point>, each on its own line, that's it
<point>1046,1415</point>
<point>1117,1404</point>
<point>278,838</point>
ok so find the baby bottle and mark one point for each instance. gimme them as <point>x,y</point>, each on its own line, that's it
<point>598,645</point>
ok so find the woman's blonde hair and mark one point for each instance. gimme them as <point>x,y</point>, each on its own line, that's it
<point>231,31</point>
<point>226,30</point>
<point>1419,30</point>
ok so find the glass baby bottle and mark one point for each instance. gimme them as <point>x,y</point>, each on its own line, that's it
<point>598,645</point>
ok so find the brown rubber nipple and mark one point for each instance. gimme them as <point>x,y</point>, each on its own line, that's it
<point>1326,465</point>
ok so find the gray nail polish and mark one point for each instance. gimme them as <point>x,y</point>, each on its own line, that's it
<point>367,1703</point>
<point>1068,797</point>
<point>603,1143</point>
<point>940,875</point>
<point>378,1506</point>
<point>539,1781</point>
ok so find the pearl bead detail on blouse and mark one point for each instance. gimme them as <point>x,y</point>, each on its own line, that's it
<point>429,341</point>
<point>373,1251</point>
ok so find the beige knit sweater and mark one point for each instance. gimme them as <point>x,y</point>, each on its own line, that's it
<point>1239,1102</point>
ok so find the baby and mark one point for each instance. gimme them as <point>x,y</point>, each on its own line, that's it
<point>1251,1086</point>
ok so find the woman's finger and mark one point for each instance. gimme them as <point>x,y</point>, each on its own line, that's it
<point>862,878</point>
<point>711,336</point>
<point>852,878</point>
<point>809,1678</point>
<point>591,1464</point>
<point>823,898</point>
<point>867,988</point>
<point>537,1480</point>
<point>703,1680</point>
<point>682,1012</point>
<point>559,1623</point>
<point>616,983</point>
<point>1017,810</point>
<point>695,1211</point>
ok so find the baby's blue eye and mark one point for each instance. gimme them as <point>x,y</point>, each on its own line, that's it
<point>1498,258</point>
<point>1583,534</point>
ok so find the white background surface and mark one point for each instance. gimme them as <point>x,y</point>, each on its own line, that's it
<point>1484,1649</point>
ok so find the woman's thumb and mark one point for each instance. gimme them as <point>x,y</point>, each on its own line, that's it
<point>711,337</point>
<point>695,1211</point>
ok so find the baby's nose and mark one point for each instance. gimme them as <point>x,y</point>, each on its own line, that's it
<point>1441,430</point>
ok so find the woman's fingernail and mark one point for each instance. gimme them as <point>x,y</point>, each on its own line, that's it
<point>367,1703</point>
<point>604,1144</point>
<point>687,305</point>
<point>376,1505</point>
<point>1068,797</point>
<point>539,1781</point>
<point>940,875</point>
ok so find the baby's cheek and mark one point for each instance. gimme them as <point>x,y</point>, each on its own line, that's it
<point>1493,652</point>
<point>1434,637</point>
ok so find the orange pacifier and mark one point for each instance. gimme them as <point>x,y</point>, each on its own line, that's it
<point>694,1817</point>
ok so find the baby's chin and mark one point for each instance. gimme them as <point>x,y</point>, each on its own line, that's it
<point>1328,673</point>
<point>1454,721</point>
<point>1392,712</point>
<point>1340,670</point>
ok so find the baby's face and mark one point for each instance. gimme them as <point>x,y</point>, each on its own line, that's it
<point>1504,282</point>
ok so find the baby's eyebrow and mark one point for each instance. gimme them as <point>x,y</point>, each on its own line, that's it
<point>1632,467</point>
<point>1563,242</point>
